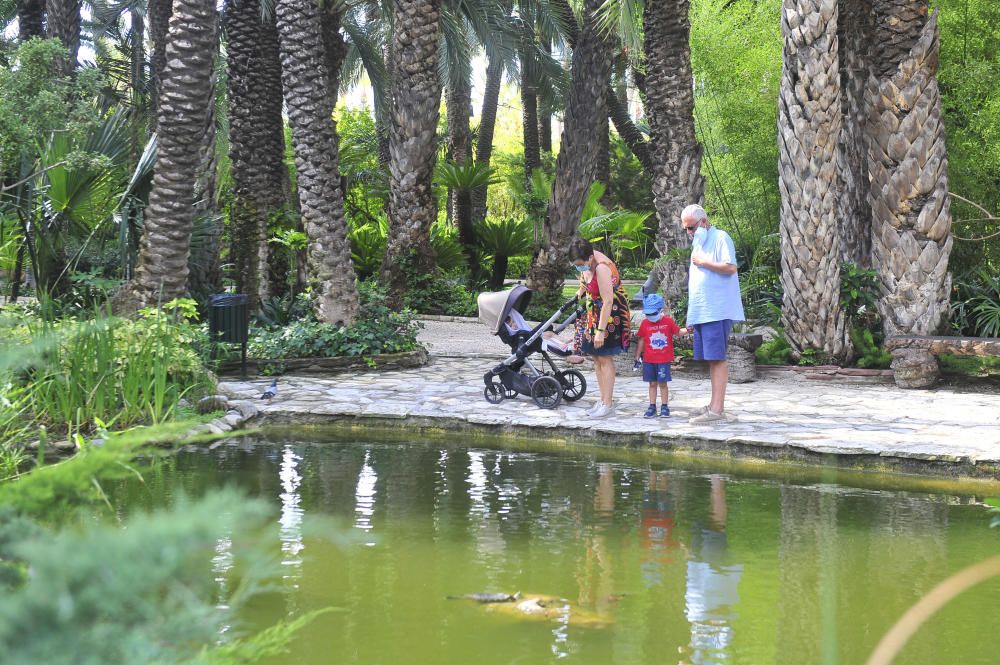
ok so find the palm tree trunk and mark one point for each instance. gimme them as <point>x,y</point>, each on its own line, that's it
<point>487,126</point>
<point>306,83</point>
<point>159,20</point>
<point>417,91</point>
<point>529,117</point>
<point>256,142</point>
<point>63,23</point>
<point>911,215</point>
<point>676,155</point>
<point>544,106</point>
<point>585,119</point>
<point>629,133</point>
<point>187,82</point>
<point>855,30</point>
<point>275,193</point>
<point>30,19</point>
<point>809,122</point>
<point>458,106</point>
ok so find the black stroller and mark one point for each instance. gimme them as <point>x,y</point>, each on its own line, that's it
<point>502,312</point>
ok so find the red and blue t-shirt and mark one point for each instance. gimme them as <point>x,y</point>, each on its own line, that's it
<point>659,340</point>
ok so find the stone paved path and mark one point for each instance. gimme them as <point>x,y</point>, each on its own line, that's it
<point>932,431</point>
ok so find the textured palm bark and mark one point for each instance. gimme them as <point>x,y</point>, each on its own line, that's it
<point>855,30</point>
<point>416,89</point>
<point>63,23</point>
<point>544,125</point>
<point>676,156</point>
<point>603,173</point>
<point>911,211</point>
<point>30,19</point>
<point>585,119</point>
<point>162,271</point>
<point>628,132</point>
<point>529,117</point>
<point>309,103</point>
<point>336,48</point>
<point>256,143</point>
<point>159,12</point>
<point>458,104</point>
<point>809,128</point>
<point>487,127</point>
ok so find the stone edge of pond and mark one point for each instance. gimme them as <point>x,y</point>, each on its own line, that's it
<point>713,444</point>
<point>325,366</point>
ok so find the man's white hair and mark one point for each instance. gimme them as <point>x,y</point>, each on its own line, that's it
<point>695,212</point>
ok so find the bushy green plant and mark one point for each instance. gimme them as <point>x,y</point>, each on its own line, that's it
<point>774,352</point>
<point>518,266</point>
<point>116,371</point>
<point>975,304</point>
<point>502,239</point>
<point>870,353</point>
<point>438,294</point>
<point>378,329</point>
<point>279,311</point>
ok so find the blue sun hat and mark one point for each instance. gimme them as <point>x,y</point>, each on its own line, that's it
<point>652,304</point>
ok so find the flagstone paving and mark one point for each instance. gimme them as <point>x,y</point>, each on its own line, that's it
<point>925,431</point>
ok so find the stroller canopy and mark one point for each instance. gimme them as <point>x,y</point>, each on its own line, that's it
<point>496,306</point>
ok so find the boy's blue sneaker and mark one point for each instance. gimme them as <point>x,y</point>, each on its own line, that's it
<point>651,411</point>
<point>664,411</point>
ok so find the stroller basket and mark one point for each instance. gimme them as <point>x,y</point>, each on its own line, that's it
<point>502,312</point>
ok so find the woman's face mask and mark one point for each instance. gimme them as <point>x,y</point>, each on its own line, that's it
<point>583,268</point>
<point>653,318</point>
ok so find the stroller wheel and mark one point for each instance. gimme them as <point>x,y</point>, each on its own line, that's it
<point>493,393</point>
<point>547,392</point>
<point>574,385</point>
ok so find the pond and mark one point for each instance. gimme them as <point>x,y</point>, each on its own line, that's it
<point>656,563</point>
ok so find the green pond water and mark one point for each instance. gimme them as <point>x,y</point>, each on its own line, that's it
<point>656,563</point>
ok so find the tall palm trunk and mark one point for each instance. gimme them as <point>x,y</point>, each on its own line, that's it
<point>529,116</point>
<point>458,105</point>
<point>30,19</point>
<point>487,126</point>
<point>417,93</point>
<point>186,83</point>
<point>911,215</point>
<point>544,107</point>
<point>256,141</point>
<point>809,122</point>
<point>159,20</point>
<point>63,23</point>
<point>307,97</point>
<point>855,30</point>
<point>676,155</point>
<point>585,119</point>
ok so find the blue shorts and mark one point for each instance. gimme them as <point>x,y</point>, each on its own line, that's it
<point>710,339</point>
<point>655,372</point>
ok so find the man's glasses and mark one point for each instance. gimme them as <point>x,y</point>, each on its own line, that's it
<point>692,228</point>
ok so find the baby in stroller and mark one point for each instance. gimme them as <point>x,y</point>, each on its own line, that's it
<point>503,313</point>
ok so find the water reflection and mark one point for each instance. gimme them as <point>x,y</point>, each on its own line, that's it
<point>364,496</point>
<point>685,567</point>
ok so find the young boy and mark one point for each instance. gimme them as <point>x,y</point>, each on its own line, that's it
<point>656,348</point>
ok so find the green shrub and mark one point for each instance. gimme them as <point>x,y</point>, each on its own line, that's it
<point>435,294</point>
<point>378,329</point>
<point>774,352</point>
<point>870,354</point>
<point>115,371</point>
<point>518,266</point>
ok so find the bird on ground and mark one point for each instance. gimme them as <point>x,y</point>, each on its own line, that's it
<point>271,391</point>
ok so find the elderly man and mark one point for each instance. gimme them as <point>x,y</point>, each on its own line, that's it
<point>713,304</point>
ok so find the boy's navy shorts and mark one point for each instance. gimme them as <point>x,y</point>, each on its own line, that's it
<point>655,372</point>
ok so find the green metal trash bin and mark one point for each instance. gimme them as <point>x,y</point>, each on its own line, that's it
<point>229,321</point>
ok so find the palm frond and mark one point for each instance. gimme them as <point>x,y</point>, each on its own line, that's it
<point>623,20</point>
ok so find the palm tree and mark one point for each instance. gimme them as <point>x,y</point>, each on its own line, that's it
<point>676,155</point>
<point>809,122</point>
<point>529,88</point>
<point>30,19</point>
<point>256,140</point>
<point>855,32</point>
<point>911,215</point>
<point>63,23</point>
<point>416,88</point>
<point>182,115</point>
<point>487,126</point>
<point>309,102</point>
<point>585,119</point>
<point>159,12</point>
